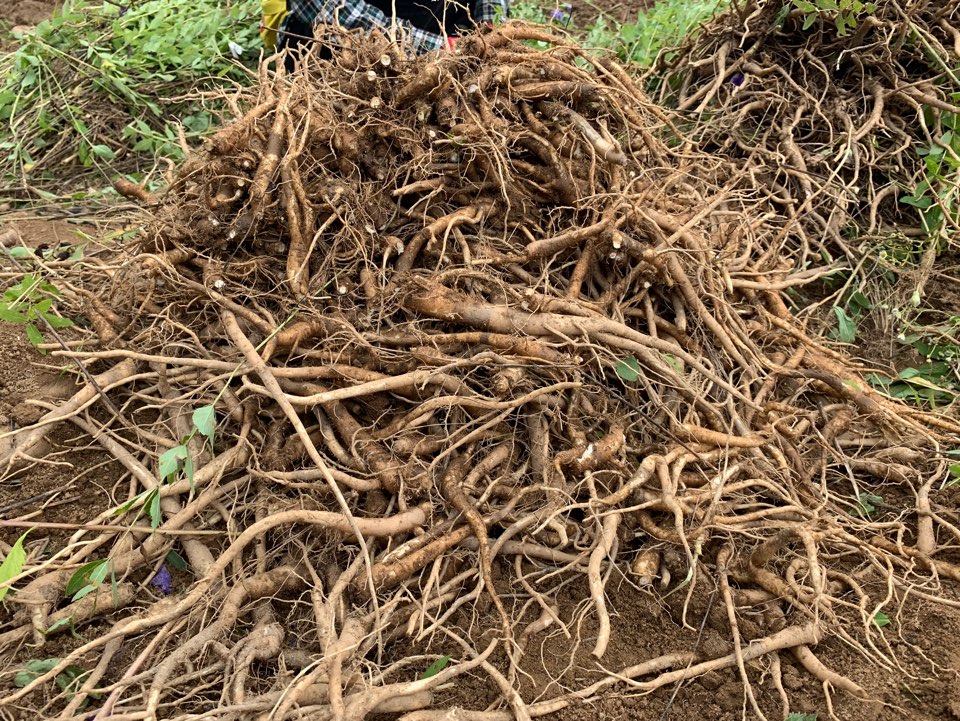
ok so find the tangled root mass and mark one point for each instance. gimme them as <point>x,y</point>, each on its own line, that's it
<point>470,323</point>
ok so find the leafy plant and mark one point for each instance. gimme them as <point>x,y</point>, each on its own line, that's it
<point>868,504</point>
<point>937,196</point>
<point>845,13</point>
<point>923,384</point>
<point>797,716</point>
<point>30,303</point>
<point>101,82</point>
<point>174,463</point>
<point>88,578</point>
<point>663,25</point>
<point>70,679</point>
<point>880,619</point>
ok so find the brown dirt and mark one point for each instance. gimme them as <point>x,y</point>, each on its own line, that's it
<point>26,12</point>
<point>646,625</point>
<point>76,485</point>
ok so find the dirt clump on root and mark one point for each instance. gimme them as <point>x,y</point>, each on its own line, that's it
<point>438,356</point>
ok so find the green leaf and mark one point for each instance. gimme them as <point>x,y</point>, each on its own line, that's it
<point>56,321</point>
<point>68,621</point>
<point>8,315</point>
<point>32,670</point>
<point>103,151</point>
<point>868,504</point>
<point>175,560</point>
<point>71,679</point>
<point>673,362</point>
<point>170,461</point>
<point>12,565</point>
<point>880,619</point>
<point>205,421</point>
<point>34,336</point>
<point>846,327</point>
<point>628,369</point>
<point>153,509</point>
<point>83,579</point>
<point>917,201</point>
<point>436,667</point>
<point>797,716</point>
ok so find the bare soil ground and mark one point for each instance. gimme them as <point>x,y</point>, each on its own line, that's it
<point>18,13</point>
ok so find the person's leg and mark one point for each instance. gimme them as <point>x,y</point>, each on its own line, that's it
<point>293,38</point>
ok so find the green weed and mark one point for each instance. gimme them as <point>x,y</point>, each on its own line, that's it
<point>100,85</point>
<point>69,680</point>
<point>937,196</point>
<point>30,303</point>
<point>844,13</point>
<point>664,25</point>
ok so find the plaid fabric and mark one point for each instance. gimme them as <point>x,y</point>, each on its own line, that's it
<point>353,14</point>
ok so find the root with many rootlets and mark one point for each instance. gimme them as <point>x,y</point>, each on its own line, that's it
<point>474,326</point>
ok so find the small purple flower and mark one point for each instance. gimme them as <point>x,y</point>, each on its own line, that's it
<point>163,580</point>
<point>737,79</point>
<point>557,16</point>
<point>123,10</point>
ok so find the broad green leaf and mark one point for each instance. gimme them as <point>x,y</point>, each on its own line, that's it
<point>170,461</point>
<point>83,576</point>
<point>12,565</point>
<point>34,336</point>
<point>846,327</point>
<point>880,619</point>
<point>32,670</point>
<point>103,151</point>
<point>176,561</point>
<point>436,667</point>
<point>8,315</point>
<point>205,421</point>
<point>628,369</point>
<point>57,322</point>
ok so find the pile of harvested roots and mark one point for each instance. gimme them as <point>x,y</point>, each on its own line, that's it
<point>838,125</point>
<point>473,326</point>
